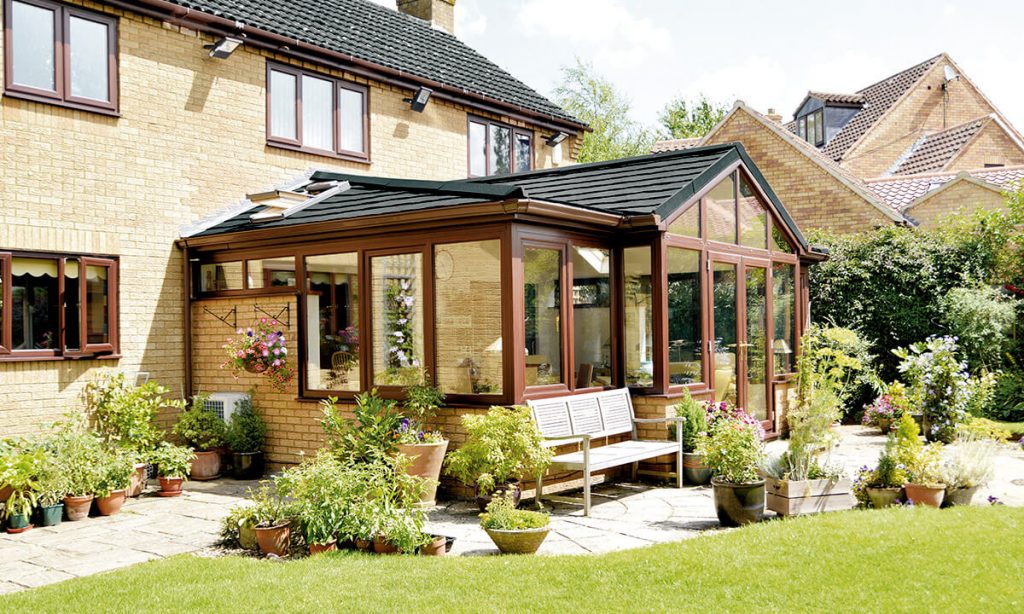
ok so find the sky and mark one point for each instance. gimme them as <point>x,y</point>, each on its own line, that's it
<point>768,54</point>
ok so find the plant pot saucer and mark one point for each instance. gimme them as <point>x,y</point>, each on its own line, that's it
<point>21,530</point>
<point>168,493</point>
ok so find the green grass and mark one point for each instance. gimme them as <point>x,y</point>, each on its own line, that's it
<point>961,559</point>
<point>1017,428</point>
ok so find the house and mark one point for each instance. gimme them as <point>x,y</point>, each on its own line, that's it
<point>930,118</point>
<point>123,122</point>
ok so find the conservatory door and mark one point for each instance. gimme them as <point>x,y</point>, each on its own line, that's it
<point>754,347</point>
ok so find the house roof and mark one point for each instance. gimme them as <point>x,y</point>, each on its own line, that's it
<point>902,192</point>
<point>675,144</point>
<point>387,38</point>
<point>655,184</point>
<point>845,100</point>
<point>931,153</point>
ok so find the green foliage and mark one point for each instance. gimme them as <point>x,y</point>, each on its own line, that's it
<point>501,445</point>
<point>115,472</point>
<point>681,119</point>
<point>422,401</point>
<point>200,428</point>
<point>173,461</point>
<point>21,465</point>
<point>733,450</point>
<point>983,428</point>
<point>595,101</point>
<point>80,454</point>
<point>890,472</point>
<point>124,414</point>
<point>268,508</point>
<point>246,432</point>
<point>980,318</point>
<point>319,491</point>
<point>941,382</point>
<point>369,436</point>
<point>696,420</point>
<point>1008,397</point>
<point>502,515</point>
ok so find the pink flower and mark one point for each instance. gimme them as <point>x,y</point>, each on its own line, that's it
<point>277,363</point>
<point>263,320</point>
<point>266,353</point>
<point>241,354</point>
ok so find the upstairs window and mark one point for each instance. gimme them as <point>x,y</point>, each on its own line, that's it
<point>61,54</point>
<point>498,149</point>
<point>317,114</point>
<point>811,128</point>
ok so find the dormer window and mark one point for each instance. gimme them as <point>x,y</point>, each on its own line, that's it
<point>811,128</point>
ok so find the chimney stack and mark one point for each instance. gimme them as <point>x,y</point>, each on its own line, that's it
<point>775,117</point>
<point>440,13</point>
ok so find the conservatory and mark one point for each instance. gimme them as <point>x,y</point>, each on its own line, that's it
<point>660,273</point>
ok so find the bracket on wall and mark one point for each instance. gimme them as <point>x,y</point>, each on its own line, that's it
<point>285,311</point>
<point>233,315</point>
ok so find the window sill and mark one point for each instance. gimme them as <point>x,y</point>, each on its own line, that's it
<point>319,152</point>
<point>14,357</point>
<point>56,102</point>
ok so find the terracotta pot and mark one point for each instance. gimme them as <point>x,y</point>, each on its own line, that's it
<point>381,545</point>
<point>695,472</point>
<point>482,501</point>
<point>18,523</point>
<point>5,493</point>
<point>138,479</point>
<point>883,497</point>
<point>425,462</point>
<point>925,495</point>
<point>206,466</point>
<point>247,465</point>
<point>77,508</point>
<point>274,540</point>
<point>518,542</point>
<point>247,536</point>
<point>330,546</point>
<point>959,496</point>
<point>51,515</point>
<point>438,547</point>
<point>364,545</point>
<point>885,425</point>
<point>738,504</point>
<point>111,504</point>
<point>170,487</point>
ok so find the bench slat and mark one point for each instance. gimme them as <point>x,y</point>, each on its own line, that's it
<point>585,415</point>
<point>552,417</point>
<point>616,455</point>
<point>616,411</point>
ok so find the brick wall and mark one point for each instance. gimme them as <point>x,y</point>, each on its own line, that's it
<point>190,141</point>
<point>991,146</point>
<point>962,194</point>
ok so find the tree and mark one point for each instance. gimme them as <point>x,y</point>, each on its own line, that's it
<point>595,101</point>
<point>682,120</point>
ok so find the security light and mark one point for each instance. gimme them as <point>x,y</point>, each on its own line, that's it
<point>223,48</point>
<point>420,100</point>
<point>556,138</point>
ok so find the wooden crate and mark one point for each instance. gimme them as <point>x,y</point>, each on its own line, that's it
<point>789,498</point>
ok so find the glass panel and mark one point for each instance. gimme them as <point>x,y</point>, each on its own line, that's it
<point>801,127</point>
<point>753,218</point>
<point>72,302</point>
<point>724,287</point>
<point>332,325</point>
<point>397,299</point>
<point>784,308</point>
<point>467,289</point>
<point>688,223</point>
<point>524,153</point>
<point>477,149</point>
<point>685,341</point>
<point>352,118</point>
<point>283,99</point>
<point>721,204</point>
<point>317,113</point>
<point>89,59</point>
<point>501,150</point>
<point>592,316</point>
<point>1,303</point>
<point>35,305</point>
<point>271,273</point>
<point>220,276</point>
<point>779,240</point>
<point>542,290</point>
<point>810,128</point>
<point>33,46</point>
<point>97,293</point>
<point>756,348</point>
<point>639,304</point>
<point>819,127</point>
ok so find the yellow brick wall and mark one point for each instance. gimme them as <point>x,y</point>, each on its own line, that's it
<point>963,195</point>
<point>190,141</point>
<point>990,146</point>
<point>813,197</point>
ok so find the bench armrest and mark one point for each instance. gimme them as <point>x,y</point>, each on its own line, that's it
<point>678,419</point>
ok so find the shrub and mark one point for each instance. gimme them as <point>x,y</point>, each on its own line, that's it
<point>115,473</point>
<point>80,455</point>
<point>941,382</point>
<point>980,318</point>
<point>501,445</point>
<point>173,461</point>
<point>695,425</point>
<point>502,515</point>
<point>972,462</point>
<point>124,414</point>
<point>370,435</point>
<point>1008,396</point>
<point>983,428</point>
<point>199,427</point>
<point>838,360</point>
<point>246,432</point>
<point>733,449</point>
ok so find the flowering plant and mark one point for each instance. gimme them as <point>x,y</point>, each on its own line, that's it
<point>723,410</point>
<point>941,381</point>
<point>408,434</point>
<point>260,350</point>
<point>889,407</point>
<point>734,447</point>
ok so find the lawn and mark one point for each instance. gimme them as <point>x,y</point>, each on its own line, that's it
<point>963,559</point>
<point>1017,428</point>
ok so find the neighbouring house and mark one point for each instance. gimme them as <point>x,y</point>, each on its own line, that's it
<point>121,122</point>
<point>660,273</point>
<point>930,118</point>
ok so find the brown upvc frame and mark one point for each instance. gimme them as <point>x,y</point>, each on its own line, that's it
<point>514,131</point>
<point>5,300</point>
<point>61,94</point>
<point>337,84</point>
<point>83,306</point>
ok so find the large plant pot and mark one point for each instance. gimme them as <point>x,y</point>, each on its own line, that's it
<point>112,503</point>
<point>170,487</point>
<point>18,523</point>
<point>247,465</point>
<point>518,542</point>
<point>5,493</point>
<point>883,497</point>
<point>51,515</point>
<point>138,483</point>
<point>77,508</point>
<point>247,536</point>
<point>793,497</point>
<point>274,540</point>
<point>381,545</point>
<point>925,495</point>
<point>885,425</point>
<point>206,466</point>
<point>438,547</point>
<point>364,545</point>
<point>960,497</point>
<point>738,504</point>
<point>483,500</point>
<point>425,462</point>
<point>330,546</point>
<point>694,470</point>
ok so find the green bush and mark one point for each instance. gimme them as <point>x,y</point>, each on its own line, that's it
<point>696,421</point>
<point>124,414</point>
<point>246,432</point>
<point>200,428</point>
<point>1007,402</point>
<point>502,515</point>
<point>371,435</point>
<point>501,445</point>
<point>173,461</point>
<point>733,450</point>
<point>81,456</point>
<point>980,318</point>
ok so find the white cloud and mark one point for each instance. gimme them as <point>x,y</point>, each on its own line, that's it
<point>469,19</point>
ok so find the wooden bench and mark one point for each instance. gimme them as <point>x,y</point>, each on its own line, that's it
<point>584,417</point>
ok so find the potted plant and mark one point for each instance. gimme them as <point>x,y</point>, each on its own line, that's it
<point>262,350</point>
<point>52,485</point>
<point>239,527</point>
<point>941,383</point>
<point>500,446</point>
<point>968,467</point>
<point>514,531</point>
<point>273,524</point>
<point>80,455</point>
<point>424,447</point>
<point>115,478</point>
<point>246,434</point>
<point>19,470</point>
<point>173,464</point>
<point>318,489</point>
<point>733,450</point>
<point>694,428</point>
<point>925,484</point>
<point>887,408</point>
<point>881,487</point>
<point>203,431</point>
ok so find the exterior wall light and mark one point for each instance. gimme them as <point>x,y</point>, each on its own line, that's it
<point>223,48</point>
<point>420,100</point>
<point>556,139</point>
